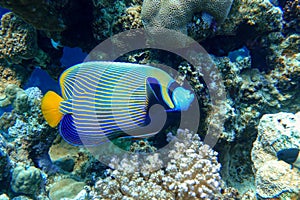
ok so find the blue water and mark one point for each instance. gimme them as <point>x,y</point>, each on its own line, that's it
<point>72,56</point>
<point>41,79</point>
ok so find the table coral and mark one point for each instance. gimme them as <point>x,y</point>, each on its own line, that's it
<point>191,173</point>
<point>276,132</point>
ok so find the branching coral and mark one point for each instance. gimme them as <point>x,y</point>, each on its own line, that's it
<point>131,19</point>
<point>191,173</point>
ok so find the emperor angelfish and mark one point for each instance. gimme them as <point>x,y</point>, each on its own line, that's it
<point>290,156</point>
<point>103,100</point>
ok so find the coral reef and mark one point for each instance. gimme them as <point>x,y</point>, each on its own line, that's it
<point>65,188</point>
<point>262,15</point>
<point>273,177</point>
<point>106,18</point>
<point>131,19</point>
<point>15,96</point>
<point>4,162</point>
<point>285,59</point>
<point>35,12</point>
<point>256,92</point>
<point>78,161</point>
<point>192,172</point>
<point>251,93</point>
<point>10,75</point>
<point>28,138</point>
<point>26,180</point>
<point>291,15</point>
<point>175,15</point>
<point>18,40</point>
<point>253,43</point>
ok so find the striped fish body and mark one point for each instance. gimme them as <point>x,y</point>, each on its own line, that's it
<point>102,100</point>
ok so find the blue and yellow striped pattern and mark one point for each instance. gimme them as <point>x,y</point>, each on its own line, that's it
<point>105,99</point>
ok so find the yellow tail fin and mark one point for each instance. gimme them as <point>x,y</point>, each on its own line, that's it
<point>50,108</point>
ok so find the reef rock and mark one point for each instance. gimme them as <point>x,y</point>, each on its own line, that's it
<point>65,188</point>
<point>273,177</point>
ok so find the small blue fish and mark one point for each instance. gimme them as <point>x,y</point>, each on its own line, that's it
<point>290,156</point>
<point>104,100</point>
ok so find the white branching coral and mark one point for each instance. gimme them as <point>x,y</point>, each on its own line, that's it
<point>192,172</point>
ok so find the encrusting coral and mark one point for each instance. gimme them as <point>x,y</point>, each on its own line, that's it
<point>192,172</point>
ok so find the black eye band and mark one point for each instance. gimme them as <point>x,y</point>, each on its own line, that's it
<point>172,87</point>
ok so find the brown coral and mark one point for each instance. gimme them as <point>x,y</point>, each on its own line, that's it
<point>292,14</point>
<point>262,15</point>
<point>18,40</point>
<point>131,19</point>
